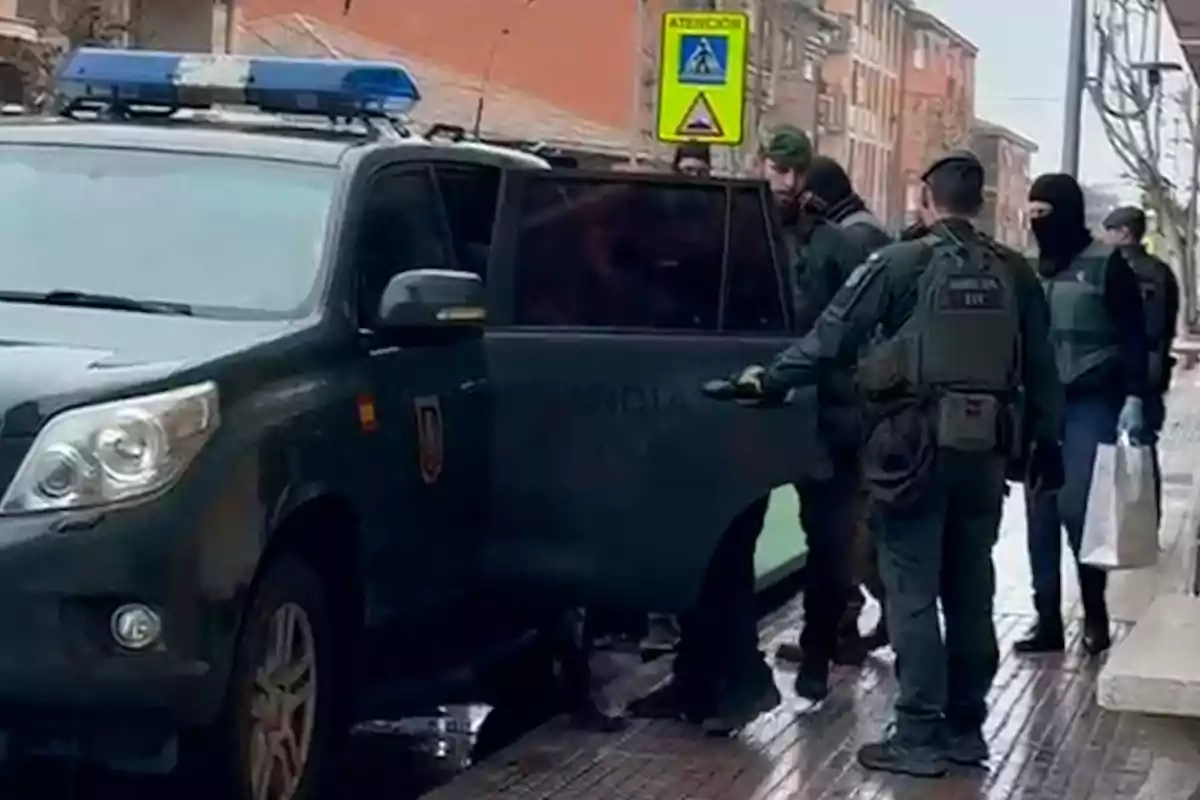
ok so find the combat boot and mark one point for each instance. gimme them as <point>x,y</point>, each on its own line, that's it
<point>965,747</point>
<point>902,755</point>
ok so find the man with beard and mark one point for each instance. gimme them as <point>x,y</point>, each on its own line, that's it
<point>823,257</point>
<point>1098,331</point>
<point>1124,229</point>
<point>962,328</point>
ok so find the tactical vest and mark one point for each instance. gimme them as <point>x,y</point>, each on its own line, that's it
<point>960,348</point>
<point>1081,328</point>
<point>1153,276</point>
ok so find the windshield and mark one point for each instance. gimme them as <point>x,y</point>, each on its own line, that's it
<point>223,235</point>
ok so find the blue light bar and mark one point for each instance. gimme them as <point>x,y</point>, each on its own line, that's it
<point>324,87</point>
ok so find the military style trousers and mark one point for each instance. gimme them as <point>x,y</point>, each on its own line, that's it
<point>941,548</point>
<point>719,663</point>
<point>828,511</point>
<point>1090,420</point>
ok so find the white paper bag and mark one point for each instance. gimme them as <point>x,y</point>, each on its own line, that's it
<point>1120,530</point>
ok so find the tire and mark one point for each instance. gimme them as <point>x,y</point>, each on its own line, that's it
<point>278,737</point>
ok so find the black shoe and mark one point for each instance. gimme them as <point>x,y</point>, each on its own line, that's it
<point>850,650</point>
<point>790,652</point>
<point>877,639</point>
<point>812,681</point>
<point>966,748</point>
<point>592,719</point>
<point>669,702</point>
<point>735,715</point>
<point>1042,638</point>
<point>897,756</point>
<point>1096,637</point>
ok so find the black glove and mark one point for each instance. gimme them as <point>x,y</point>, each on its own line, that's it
<point>1046,470</point>
<point>745,386</point>
<point>915,231</point>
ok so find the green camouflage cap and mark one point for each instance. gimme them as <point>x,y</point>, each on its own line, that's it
<point>789,147</point>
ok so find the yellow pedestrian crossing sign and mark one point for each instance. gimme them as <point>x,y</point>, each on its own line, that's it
<point>702,77</point>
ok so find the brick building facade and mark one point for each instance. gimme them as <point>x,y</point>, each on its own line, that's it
<point>938,99</point>
<point>1007,158</point>
<point>862,79</point>
<point>597,60</point>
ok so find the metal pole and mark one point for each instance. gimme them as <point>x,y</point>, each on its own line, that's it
<point>1189,255</point>
<point>1076,72</point>
<point>230,24</point>
<point>635,101</point>
<point>1158,100</point>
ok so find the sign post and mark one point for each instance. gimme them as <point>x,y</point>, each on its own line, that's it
<point>702,77</point>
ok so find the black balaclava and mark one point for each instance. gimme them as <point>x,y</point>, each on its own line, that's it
<point>832,193</point>
<point>1062,234</point>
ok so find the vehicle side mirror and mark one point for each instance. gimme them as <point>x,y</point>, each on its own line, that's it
<point>427,299</point>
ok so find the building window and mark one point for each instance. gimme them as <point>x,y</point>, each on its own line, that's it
<point>789,52</point>
<point>919,45</point>
<point>810,70</point>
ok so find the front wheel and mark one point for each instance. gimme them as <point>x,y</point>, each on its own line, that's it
<point>281,719</point>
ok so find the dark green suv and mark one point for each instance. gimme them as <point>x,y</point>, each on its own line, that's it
<point>305,423</point>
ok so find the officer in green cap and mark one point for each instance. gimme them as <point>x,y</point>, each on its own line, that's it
<point>963,343</point>
<point>822,257</point>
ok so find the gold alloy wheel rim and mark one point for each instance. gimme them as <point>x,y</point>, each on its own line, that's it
<point>283,708</point>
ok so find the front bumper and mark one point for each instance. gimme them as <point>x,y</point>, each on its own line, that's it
<point>61,578</point>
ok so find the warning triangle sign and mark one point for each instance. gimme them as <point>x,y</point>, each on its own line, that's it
<point>700,120</point>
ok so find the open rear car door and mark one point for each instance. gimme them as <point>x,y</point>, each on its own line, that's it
<point>613,297</point>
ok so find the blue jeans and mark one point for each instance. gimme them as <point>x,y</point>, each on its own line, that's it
<point>1089,422</point>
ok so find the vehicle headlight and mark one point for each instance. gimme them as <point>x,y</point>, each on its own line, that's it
<point>106,453</point>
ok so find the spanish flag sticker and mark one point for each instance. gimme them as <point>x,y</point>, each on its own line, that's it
<point>366,412</point>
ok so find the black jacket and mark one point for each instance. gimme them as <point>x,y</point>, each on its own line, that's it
<point>864,232</point>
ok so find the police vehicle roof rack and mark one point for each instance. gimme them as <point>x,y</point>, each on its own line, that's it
<point>130,84</point>
<point>457,133</point>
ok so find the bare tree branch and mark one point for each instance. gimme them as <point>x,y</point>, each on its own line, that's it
<point>1125,100</point>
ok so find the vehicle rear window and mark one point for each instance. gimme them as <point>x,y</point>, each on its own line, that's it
<point>610,254</point>
<point>217,233</point>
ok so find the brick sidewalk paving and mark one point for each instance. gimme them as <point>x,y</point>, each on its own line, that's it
<point>1049,739</point>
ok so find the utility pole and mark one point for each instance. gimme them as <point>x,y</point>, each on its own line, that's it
<point>1076,74</point>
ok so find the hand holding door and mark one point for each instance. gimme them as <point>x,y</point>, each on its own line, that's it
<point>745,387</point>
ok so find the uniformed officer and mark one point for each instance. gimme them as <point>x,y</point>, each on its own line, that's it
<point>822,257</point>
<point>964,332</point>
<point>1125,228</point>
<point>1098,330</point>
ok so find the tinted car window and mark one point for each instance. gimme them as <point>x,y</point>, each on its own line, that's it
<point>470,195</point>
<point>401,229</point>
<point>218,233</point>
<point>754,295</point>
<point>608,254</point>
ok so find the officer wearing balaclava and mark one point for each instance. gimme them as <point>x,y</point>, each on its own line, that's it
<point>1098,332</point>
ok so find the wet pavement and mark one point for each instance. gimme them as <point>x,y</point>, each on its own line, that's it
<point>1048,737</point>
